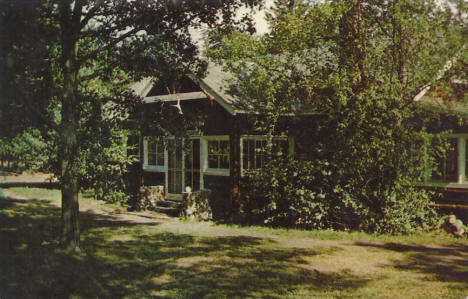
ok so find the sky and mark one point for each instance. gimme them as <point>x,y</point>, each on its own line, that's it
<point>261,24</point>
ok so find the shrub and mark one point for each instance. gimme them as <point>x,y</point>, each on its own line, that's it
<point>28,150</point>
<point>309,195</point>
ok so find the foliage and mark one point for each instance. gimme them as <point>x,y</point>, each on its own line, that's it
<point>90,51</point>
<point>356,67</point>
<point>104,162</point>
<point>29,150</point>
<point>306,194</point>
<point>26,79</point>
<point>292,194</point>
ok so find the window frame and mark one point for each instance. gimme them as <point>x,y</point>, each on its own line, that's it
<point>288,139</point>
<point>192,169</point>
<point>206,170</point>
<point>151,167</point>
<point>461,180</point>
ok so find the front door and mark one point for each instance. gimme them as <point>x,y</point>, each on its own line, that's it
<point>174,169</point>
<point>183,165</point>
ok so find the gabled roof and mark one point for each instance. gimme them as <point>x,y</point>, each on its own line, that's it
<point>212,86</point>
<point>142,87</point>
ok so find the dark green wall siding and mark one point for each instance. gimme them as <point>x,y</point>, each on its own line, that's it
<point>219,186</point>
<point>153,178</point>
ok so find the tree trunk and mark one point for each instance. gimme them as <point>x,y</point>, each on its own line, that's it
<point>70,232</point>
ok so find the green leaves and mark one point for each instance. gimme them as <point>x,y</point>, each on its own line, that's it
<point>28,151</point>
<point>357,65</point>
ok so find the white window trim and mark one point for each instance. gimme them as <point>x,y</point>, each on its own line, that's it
<point>146,166</point>
<point>461,138</point>
<point>290,140</point>
<point>205,170</point>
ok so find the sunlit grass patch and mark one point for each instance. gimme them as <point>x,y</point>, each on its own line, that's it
<point>86,200</point>
<point>182,259</point>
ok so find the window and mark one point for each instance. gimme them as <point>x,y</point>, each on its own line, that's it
<point>155,151</point>
<point>218,154</point>
<point>447,163</point>
<point>253,151</point>
<point>253,154</point>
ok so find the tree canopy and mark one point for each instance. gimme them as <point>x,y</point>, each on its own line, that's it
<point>357,65</point>
<point>69,59</point>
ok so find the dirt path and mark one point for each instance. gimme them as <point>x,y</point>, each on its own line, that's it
<point>38,177</point>
<point>176,225</point>
<point>117,215</point>
<point>146,217</point>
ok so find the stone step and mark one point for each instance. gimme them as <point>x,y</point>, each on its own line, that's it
<point>168,210</point>
<point>169,203</point>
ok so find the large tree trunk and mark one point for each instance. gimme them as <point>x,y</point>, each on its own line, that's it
<point>70,232</point>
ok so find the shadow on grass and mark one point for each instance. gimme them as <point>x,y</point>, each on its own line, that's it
<point>45,185</point>
<point>447,263</point>
<point>122,259</point>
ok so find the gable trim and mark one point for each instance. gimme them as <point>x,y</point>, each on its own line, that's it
<point>176,96</point>
<point>217,97</point>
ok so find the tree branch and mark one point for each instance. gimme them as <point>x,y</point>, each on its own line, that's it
<point>113,42</point>
<point>77,11</point>
<point>91,13</point>
<point>90,76</point>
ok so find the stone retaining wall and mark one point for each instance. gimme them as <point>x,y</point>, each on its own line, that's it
<point>149,197</point>
<point>196,205</point>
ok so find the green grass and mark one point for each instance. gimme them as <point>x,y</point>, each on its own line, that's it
<point>87,202</point>
<point>181,259</point>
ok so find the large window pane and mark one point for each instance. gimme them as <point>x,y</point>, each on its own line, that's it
<point>254,152</point>
<point>155,146</point>
<point>218,154</point>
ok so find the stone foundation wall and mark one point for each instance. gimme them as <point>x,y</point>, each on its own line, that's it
<point>149,196</point>
<point>196,205</point>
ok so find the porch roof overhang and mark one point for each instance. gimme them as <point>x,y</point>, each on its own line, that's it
<point>198,95</point>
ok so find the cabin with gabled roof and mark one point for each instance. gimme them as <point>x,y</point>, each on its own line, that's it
<point>226,146</point>
<point>216,153</point>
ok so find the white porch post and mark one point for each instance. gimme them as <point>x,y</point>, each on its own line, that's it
<point>461,159</point>
<point>166,165</point>
<point>145,151</point>
<point>203,161</point>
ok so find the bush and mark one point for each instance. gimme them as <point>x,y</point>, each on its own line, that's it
<point>103,168</point>
<point>309,195</point>
<point>27,150</point>
<point>286,193</point>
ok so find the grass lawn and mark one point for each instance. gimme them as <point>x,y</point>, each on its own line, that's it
<point>138,257</point>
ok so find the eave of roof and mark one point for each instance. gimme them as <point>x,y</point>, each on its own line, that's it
<point>142,87</point>
<point>176,97</point>
<point>213,86</point>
